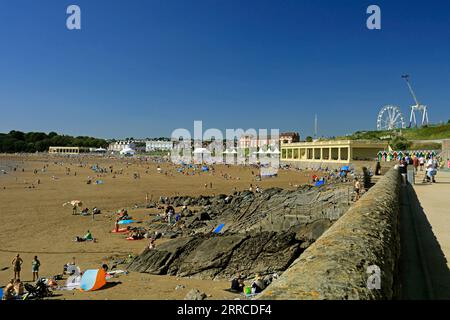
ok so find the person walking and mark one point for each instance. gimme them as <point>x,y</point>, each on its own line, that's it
<point>421,162</point>
<point>403,168</point>
<point>357,188</point>
<point>35,264</point>
<point>17,263</point>
<point>416,164</point>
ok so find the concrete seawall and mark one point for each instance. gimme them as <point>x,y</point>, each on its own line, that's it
<point>340,263</point>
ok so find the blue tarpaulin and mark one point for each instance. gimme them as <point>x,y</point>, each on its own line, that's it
<point>319,183</point>
<point>219,228</point>
<point>345,168</point>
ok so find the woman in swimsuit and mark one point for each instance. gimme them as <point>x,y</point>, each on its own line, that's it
<point>17,262</point>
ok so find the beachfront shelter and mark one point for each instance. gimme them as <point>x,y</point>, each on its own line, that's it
<point>93,279</point>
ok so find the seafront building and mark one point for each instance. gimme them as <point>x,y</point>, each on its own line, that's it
<point>330,152</point>
<point>68,150</point>
<point>289,137</point>
<point>250,141</point>
<point>154,145</point>
<point>118,146</point>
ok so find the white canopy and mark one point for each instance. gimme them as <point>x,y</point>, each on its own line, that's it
<point>233,151</point>
<point>276,151</point>
<point>201,151</point>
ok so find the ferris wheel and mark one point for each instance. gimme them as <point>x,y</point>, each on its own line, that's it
<point>390,117</point>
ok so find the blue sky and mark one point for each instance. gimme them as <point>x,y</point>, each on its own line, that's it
<point>143,68</point>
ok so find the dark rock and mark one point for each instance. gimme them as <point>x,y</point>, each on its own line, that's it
<point>202,216</point>
<point>213,256</point>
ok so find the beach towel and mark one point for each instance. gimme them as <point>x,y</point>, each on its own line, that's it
<point>319,183</point>
<point>126,221</point>
<point>217,230</point>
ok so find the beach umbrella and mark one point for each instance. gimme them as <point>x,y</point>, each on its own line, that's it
<point>345,168</point>
<point>93,279</point>
<point>74,203</point>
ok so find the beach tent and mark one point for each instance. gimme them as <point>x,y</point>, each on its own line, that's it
<point>93,279</point>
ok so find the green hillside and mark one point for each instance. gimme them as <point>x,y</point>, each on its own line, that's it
<point>431,132</point>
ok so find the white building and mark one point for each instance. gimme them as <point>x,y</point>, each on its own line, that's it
<point>153,145</point>
<point>121,145</point>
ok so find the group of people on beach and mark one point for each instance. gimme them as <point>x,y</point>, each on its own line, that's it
<point>15,287</point>
<point>17,264</point>
<point>258,284</point>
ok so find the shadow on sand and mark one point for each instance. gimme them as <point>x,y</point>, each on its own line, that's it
<point>424,273</point>
<point>109,285</point>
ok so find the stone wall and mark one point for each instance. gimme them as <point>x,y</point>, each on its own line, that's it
<point>336,265</point>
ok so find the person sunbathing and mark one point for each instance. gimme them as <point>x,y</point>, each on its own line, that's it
<point>8,291</point>
<point>18,288</point>
<point>86,237</point>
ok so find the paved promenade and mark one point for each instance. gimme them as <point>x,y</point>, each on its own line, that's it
<point>435,201</point>
<point>432,224</point>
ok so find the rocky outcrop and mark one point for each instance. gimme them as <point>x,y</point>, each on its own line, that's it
<point>274,209</point>
<point>263,232</point>
<point>221,256</point>
<point>344,262</point>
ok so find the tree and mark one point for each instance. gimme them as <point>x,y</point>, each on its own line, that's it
<point>309,139</point>
<point>400,143</point>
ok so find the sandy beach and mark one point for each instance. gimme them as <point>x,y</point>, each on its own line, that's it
<point>34,221</point>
